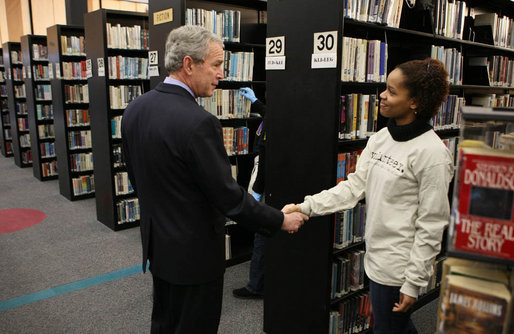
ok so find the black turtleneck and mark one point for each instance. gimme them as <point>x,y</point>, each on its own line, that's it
<point>408,131</point>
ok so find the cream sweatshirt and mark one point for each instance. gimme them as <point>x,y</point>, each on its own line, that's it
<point>405,184</point>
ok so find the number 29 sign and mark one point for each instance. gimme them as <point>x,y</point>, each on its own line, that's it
<point>275,53</point>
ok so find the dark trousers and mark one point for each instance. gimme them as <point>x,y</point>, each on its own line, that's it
<point>256,283</point>
<point>186,309</point>
<point>386,321</point>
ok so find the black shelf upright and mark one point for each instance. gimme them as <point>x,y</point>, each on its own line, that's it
<point>66,52</point>
<point>17,104</point>
<point>114,209</point>
<point>39,106</point>
<point>5,122</point>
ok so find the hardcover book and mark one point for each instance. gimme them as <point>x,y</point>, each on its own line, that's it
<point>484,221</point>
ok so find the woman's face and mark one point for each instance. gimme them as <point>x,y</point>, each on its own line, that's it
<point>395,101</point>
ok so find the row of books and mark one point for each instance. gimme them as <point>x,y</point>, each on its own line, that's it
<point>225,23</point>
<point>501,71</point>
<point>492,100</point>
<point>238,66</point>
<point>448,116</point>
<point>44,112</point>
<point>47,150</point>
<point>449,16</point>
<point>117,157</point>
<point>77,117</point>
<point>353,315</point>
<point>83,185</point>
<point>25,140</point>
<point>80,162</point>
<point>128,67</point>
<point>386,12</point>
<point>349,226</point>
<point>347,273</point>
<point>346,164</point>
<point>7,134</point>
<point>8,147</point>
<point>19,92</point>
<point>23,124</point>
<point>364,60</point>
<point>18,74</point>
<point>41,72</point>
<point>122,185</point>
<point>39,52</point>
<point>452,144</point>
<point>6,120</point>
<point>76,94</point>
<point>72,45</point>
<point>79,139</point>
<point>475,297</point>
<point>16,57</point>
<point>49,168</point>
<point>453,61</point>
<point>116,127</point>
<point>21,108</point>
<point>133,38</point>
<point>128,210</point>
<point>359,114</point>
<point>121,96</point>
<point>43,92</point>
<point>236,140</point>
<point>226,104</point>
<point>46,131</point>
<point>501,28</point>
<point>3,91</point>
<point>26,156</point>
<point>74,70</point>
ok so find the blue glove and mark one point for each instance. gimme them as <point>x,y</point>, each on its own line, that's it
<point>257,196</point>
<point>248,93</point>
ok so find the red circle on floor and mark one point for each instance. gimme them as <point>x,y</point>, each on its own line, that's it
<point>12,220</point>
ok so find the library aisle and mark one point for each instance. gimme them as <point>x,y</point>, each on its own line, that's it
<point>71,274</point>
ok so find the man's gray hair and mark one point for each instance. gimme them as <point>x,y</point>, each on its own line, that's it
<point>188,40</point>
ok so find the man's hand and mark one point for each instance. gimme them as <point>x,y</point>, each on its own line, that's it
<point>248,93</point>
<point>293,221</point>
<point>289,208</point>
<point>405,304</point>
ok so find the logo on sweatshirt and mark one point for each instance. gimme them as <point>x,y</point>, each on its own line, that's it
<point>387,160</point>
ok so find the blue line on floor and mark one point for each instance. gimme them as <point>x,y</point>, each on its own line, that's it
<point>70,287</point>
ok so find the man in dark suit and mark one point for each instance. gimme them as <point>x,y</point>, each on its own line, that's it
<point>180,171</point>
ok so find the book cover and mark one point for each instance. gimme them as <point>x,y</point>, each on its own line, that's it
<point>484,221</point>
<point>472,305</point>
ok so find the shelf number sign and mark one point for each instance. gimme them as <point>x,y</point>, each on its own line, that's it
<point>275,53</point>
<point>325,50</point>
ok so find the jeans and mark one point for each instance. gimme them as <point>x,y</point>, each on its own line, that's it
<point>256,283</point>
<point>386,321</point>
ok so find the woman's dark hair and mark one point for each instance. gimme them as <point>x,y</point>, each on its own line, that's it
<point>427,82</point>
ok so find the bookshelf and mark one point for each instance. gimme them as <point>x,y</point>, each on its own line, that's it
<point>5,123</point>
<point>17,104</point>
<point>116,204</point>
<point>39,106</point>
<point>67,57</point>
<point>252,38</point>
<point>303,159</point>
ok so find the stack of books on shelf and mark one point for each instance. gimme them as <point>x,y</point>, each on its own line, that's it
<point>238,66</point>
<point>353,315</point>
<point>449,18</point>
<point>72,45</point>
<point>359,114</point>
<point>121,67</point>
<point>226,104</point>
<point>225,23</point>
<point>364,60</point>
<point>453,61</point>
<point>349,226</point>
<point>386,12</point>
<point>236,140</point>
<point>122,37</point>
<point>501,29</point>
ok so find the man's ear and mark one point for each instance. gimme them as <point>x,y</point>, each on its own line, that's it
<point>187,64</point>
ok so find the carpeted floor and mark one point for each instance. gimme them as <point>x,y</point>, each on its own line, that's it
<point>70,245</point>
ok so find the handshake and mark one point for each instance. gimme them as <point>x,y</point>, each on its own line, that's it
<point>293,218</point>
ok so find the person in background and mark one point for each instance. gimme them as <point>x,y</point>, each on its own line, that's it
<point>180,171</point>
<point>404,173</point>
<point>255,287</point>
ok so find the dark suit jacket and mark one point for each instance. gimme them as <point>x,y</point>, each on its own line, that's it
<point>180,171</point>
